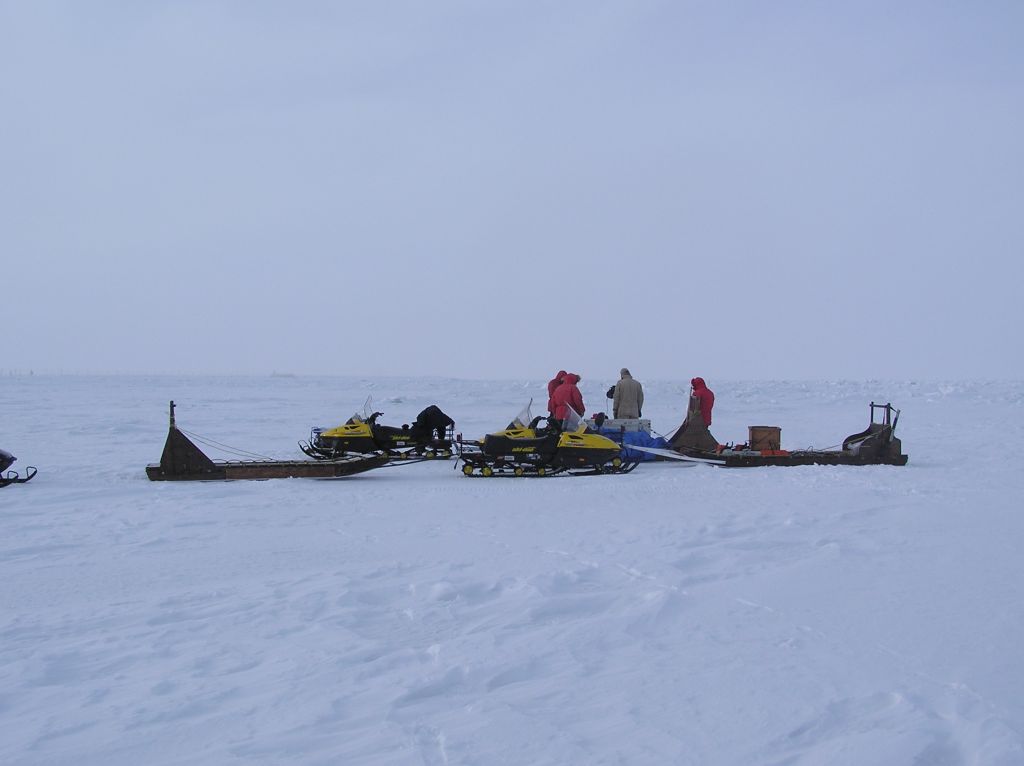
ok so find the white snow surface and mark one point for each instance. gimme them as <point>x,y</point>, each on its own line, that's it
<point>678,614</point>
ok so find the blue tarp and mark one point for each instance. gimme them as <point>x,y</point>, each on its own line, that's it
<point>640,438</point>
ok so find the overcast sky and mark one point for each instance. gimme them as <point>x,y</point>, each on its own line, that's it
<point>504,189</point>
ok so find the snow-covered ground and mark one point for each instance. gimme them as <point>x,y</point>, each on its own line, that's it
<point>678,614</point>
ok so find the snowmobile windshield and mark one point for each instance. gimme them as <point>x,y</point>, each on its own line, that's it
<point>573,421</point>
<point>524,418</point>
<point>365,414</point>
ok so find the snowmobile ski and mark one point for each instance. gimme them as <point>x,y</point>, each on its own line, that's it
<point>12,477</point>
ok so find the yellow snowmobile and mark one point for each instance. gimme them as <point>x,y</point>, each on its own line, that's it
<point>361,434</point>
<point>538,446</point>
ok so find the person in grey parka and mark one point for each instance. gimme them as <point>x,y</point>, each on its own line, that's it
<point>628,400</point>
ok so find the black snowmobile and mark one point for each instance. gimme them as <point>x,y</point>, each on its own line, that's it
<point>430,436</point>
<point>537,446</point>
<point>12,477</point>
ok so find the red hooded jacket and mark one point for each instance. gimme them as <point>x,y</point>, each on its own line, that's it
<point>553,384</point>
<point>567,394</point>
<point>706,398</point>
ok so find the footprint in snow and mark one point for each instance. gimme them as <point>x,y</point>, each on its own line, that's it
<point>449,682</point>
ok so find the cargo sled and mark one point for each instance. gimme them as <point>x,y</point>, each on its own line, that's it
<point>182,460</point>
<point>875,445</point>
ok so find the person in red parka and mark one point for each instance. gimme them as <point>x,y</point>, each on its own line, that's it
<point>706,398</point>
<point>567,395</point>
<point>553,384</point>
